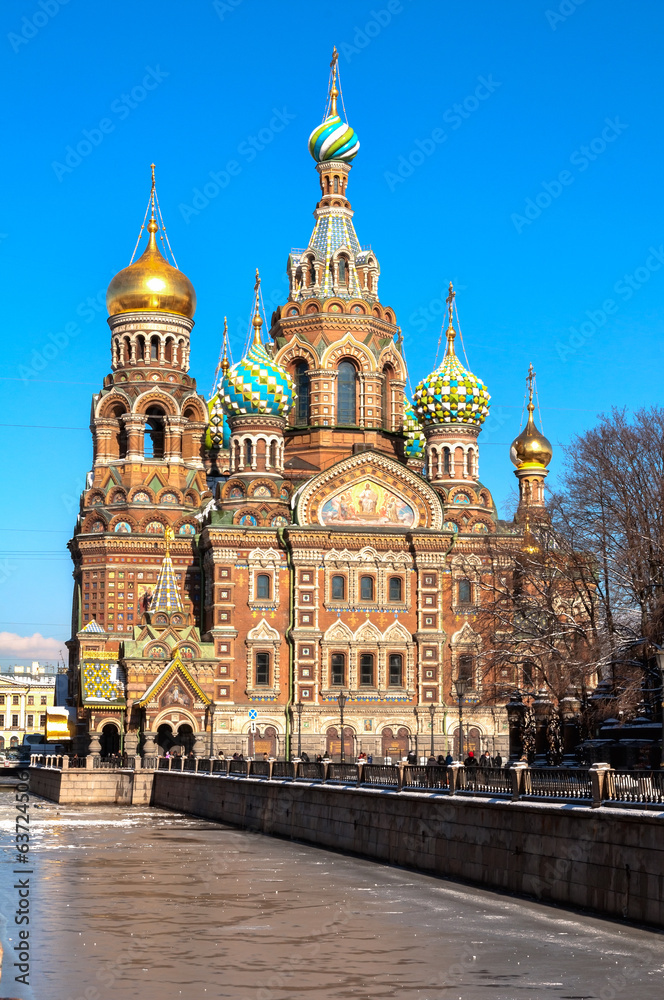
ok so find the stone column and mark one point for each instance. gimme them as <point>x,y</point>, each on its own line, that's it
<point>135,427</point>
<point>516,714</point>
<point>150,748</point>
<point>200,749</point>
<point>570,710</point>
<point>542,710</point>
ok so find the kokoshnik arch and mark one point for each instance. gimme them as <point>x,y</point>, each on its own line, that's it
<point>305,531</point>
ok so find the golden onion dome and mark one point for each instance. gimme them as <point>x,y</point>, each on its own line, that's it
<point>531,447</point>
<point>151,284</point>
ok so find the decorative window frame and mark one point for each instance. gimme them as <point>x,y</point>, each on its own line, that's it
<point>263,561</point>
<point>263,639</point>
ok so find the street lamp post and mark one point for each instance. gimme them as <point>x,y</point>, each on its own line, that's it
<point>461,686</point>
<point>341,701</point>
<point>432,713</point>
<point>211,714</point>
<point>298,709</point>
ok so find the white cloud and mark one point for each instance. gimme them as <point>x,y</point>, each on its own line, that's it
<point>30,647</point>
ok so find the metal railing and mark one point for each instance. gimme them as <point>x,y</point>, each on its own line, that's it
<point>635,786</point>
<point>594,785</point>
<point>558,783</point>
<point>486,781</point>
<point>346,773</point>
<point>382,775</point>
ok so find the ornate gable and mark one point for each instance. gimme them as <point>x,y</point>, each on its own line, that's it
<point>174,682</point>
<point>369,490</point>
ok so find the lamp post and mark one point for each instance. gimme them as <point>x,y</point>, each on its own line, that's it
<point>432,713</point>
<point>211,714</point>
<point>461,686</point>
<point>516,715</point>
<point>660,663</point>
<point>341,701</point>
<point>298,709</point>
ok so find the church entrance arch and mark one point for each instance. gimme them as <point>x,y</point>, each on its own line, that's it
<point>471,741</point>
<point>109,740</point>
<point>263,741</point>
<point>164,738</point>
<point>186,737</point>
<point>333,744</point>
<point>396,742</point>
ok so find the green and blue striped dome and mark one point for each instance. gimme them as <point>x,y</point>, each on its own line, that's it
<point>412,429</point>
<point>256,384</point>
<point>333,140</point>
<point>451,395</point>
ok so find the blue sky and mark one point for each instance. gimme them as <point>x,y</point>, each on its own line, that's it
<point>512,146</point>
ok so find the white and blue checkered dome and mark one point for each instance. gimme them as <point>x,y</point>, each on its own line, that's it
<point>256,384</point>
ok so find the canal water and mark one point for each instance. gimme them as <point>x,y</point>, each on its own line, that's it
<point>144,903</point>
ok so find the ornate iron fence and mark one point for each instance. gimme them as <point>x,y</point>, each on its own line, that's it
<point>312,771</point>
<point>635,786</point>
<point>425,778</point>
<point>237,767</point>
<point>487,780</point>
<point>346,773</point>
<point>383,775</point>
<point>283,769</point>
<point>558,783</point>
<point>260,768</point>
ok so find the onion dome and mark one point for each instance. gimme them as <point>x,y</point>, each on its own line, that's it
<point>415,440</point>
<point>334,139</point>
<point>257,384</point>
<point>451,394</point>
<point>531,448</point>
<point>151,284</point>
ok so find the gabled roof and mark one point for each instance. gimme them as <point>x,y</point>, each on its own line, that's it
<point>92,626</point>
<point>174,667</point>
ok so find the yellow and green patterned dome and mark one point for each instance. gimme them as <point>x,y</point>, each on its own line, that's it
<point>412,429</point>
<point>451,394</point>
<point>257,384</point>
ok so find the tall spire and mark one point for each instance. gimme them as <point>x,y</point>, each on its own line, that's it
<point>334,93</point>
<point>166,595</point>
<point>224,358</point>
<point>451,332</point>
<point>257,321</point>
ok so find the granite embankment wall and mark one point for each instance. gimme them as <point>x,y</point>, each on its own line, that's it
<point>609,860</point>
<point>98,787</point>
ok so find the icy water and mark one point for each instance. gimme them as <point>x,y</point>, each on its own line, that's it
<point>143,903</point>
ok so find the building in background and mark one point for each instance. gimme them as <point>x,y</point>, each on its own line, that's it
<point>26,695</point>
<point>306,533</point>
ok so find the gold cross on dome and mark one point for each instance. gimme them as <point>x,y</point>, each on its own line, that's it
<point>451,295</point>
<point>530,378</point>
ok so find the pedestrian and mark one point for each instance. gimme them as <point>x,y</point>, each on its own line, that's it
<point>369,758</point>
<point>498,760</point>
<point>471,759</point>
<point>305,757</point>
<point>441,759</point>
<point>412,757</point>
<point>449,759</point>
<point>431,761</point>
<point>485,760</point>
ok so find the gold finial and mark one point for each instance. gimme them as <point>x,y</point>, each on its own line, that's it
<point>257,320</point>
<point>451,332</point>
<point>530,378</point>
<point>169,535</point>
<point>334,93</point>
<point>224,359</point>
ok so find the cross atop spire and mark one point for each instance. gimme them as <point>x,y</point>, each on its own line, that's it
<point>530,378</point>
<point>257,320</point>
<point>451,332</point>
<point>334,93</point>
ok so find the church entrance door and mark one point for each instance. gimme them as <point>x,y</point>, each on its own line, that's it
<point>396,745</point>
<point>263,741</point>
<point>334,743</point>
<point>109,740</point>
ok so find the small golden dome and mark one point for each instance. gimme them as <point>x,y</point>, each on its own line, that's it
<point>151,285</point>
<point>531,447</point>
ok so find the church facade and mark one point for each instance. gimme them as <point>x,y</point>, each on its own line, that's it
<point>240,562</point>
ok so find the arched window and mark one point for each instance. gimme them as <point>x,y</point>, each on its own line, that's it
<point>396,588</point>
<point>338,588</point>
<point>312,273</point>
<point>447,462</point>
<point>396,670</point>
<point>263,586</point>
<point>466,669</point>
<point>366,588</point>
<point>338,671</point>
<point>302,390</point>
<point>127,350</point>
<point>248,452</point>
<point>386,397</point>
<point>153,439</point>
<point>273,453</point>
<point>366,670</point>
<point>154,349</point>
<point>168,352</point>
<point>465,592</point>
<point>471,462</point>
<point>262,668</point>
<point>140,348</point>
<point>346,393</point>
<point>336,185</point>
<point>343,271</point>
